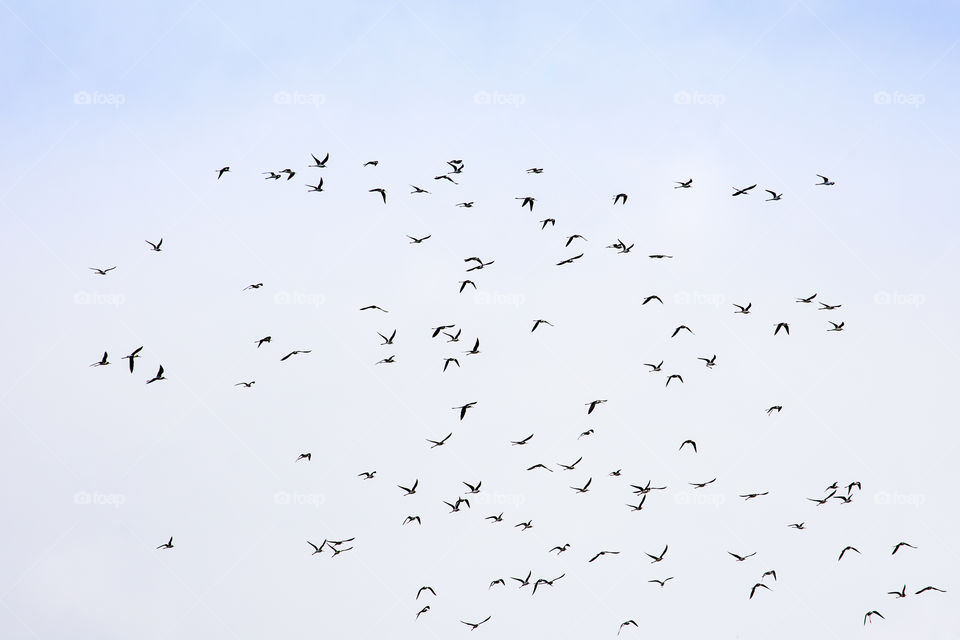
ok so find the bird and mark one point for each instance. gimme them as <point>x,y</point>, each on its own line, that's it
<point>540,465</point>
<point>659,256</point>
<point>869,614</point>
<point>653,367</point>
<point>807,300</point>
<point>473,489</point>
<point>295,352</point>
<point>370,307</point>
<point>626,624</point>
<point>222,171</point>
<point>496,582</point>
<point>799,526</point>
<point>679,329</point>
<point>588,432</point>
<point>537,323</point>
<point>526,525</point>
<point>603,553</point>
<point>527,201</point>
<point>845,549</point>
<point>317,549</point>
<point>551,221</point>
<point>690,442</point>
<point>315,189</point>
<point>740,558</point>
<point>102,272</point>
<point>133,356</point>
<point>381,191</point>
<point>438,330</point>
<point>367,475</point>
<point>417,189</point>
<point>649,298</point>
<point>900,594</point>
<point>684,185</point>
<point>744,191</point>
<point>549,583</point>
<point>570,467</point>
<point>253,286</point>
<point>304,456</point>
<point>624,248</point>
<point>751,496</point>
<point>655,559</point>
<point>337,550</point>
<point>387,340</point>
<point>778,408</point>
<point>103,361</point>
<point>409,491</point>
<point>246,384</point>
<point>424,610</point>
<point>771,572</point>
<point>574,237</point>
<point>522,442</point>
<point>438,443</point>
<point>593,405</point>
<point>464,283</point>
<point>262,340</point>
<point>584,488</point>
<point>570,260</point>
<point>473,625</point>
<point>663,582</point>
<point>155,247</point>
<point>742,309</point>
<point>480,265</point>
<point>925,589</point>
<point>447,178</point>
<point>290,173</point>
<point>560,549</point>
<point>447,361</point>
<point>157,377</point>
<point>371,163</point>
<point>781,325</point>
<point>701,485</point>
<point>463,408</point>
<point>901,544</point>
<point>620,197</point>
<point>167,545</point>
<point>319,164</point>
<point>422,589</point>
<point>673,376</point>
<point>498,518</point>
<point>757,586</point>
<point>836,327</point>
<point>465,205</point>
<point>825,182</point>
<point>711,362</point>
<point>271,175</point>
<point>537,170</point>
<point>388,360</point>
<point>828,307</point>
<point>476,346</point>
<point>638,506</point>
<point>774,196</point>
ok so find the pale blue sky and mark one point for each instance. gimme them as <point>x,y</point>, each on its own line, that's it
<point>115,118</point>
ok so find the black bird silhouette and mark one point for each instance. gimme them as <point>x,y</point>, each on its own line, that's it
<point>157,377</point>
<point>537,323</point>
<point>551,221</point>
<point>315,189</point>
<point>684,185</point>
<point>620,196</point>
<point>570,467</point>
<point>671,377</point>
<point>825,182</point>
<point>603,553</point>
<point>409,491</point>
<point>570,260</point>
<point>222,171</point>
<point>527,201</point>
<point>103,361</point>
<point>869,614</point>
<point>680,328</point>
<point>155,247</point>
<point>901,544</point>
<point>584,488</point>
<point>757,586</point>
<point>653,367</point>
<point>437,443</point>
<point>662,583</point>
<point>742,558</point>
<point>625,624</point>
<point>422,589</point>
<point>317,549</point>
<point>102,272</point>
<point>304,456</point>
<point>473,625</point>
<point>167,545</point>
<point>522,442</point>
<point>807,300</point>
<point>387,340</point>
<point>319,164</point>
<point>845,549</point>
<point>922,590</point>
<point>371,163</point>
<point>745,309</point>
<point>593,405</point>
<point>417,189</point>
<point>463,408</point>
<point>381,191</point>
<point>424,610</point>
<point>373,306</point>
<point>782,325</point>
<point>649,298</point>
<point>295,352</point>
<point>690,442</point>
<point>773,195</point>
<point>655,559</point>
<point>742,192</point>
<point>262,340</point>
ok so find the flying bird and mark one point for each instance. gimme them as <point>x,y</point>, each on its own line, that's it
<point>155,247</point>
<point>684,185</point>
<point>102,272</point>
<point>319,164</point>
<point>825,182</point>
<point>381,191</point>
<point>295,352</point>
<point>157,377</point>
<point>222,171</point>
<point>744,191</point>
<point>438,443</point>
<point>103,361</point>
<point>167,545</point>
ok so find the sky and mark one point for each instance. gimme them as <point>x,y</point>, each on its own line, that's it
<point>115,120</point>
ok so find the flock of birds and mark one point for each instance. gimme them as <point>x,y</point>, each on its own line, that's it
<point>832,494</point>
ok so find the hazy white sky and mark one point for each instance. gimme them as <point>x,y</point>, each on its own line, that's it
<point>115,119</point>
